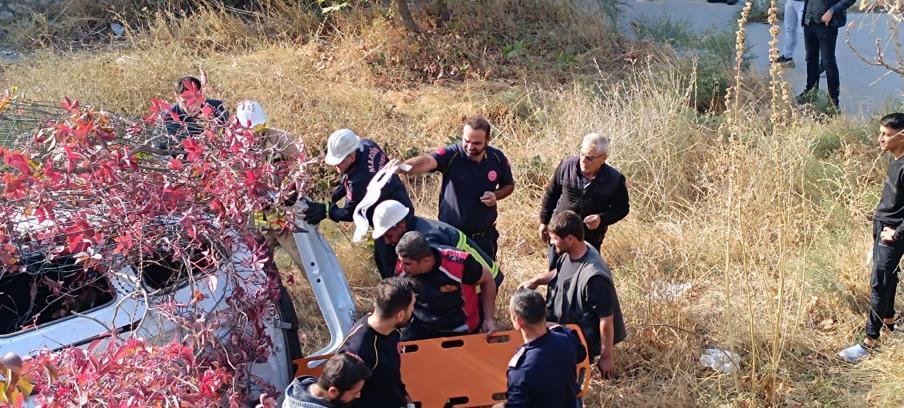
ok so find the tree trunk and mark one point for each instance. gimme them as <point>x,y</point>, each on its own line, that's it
<point>405,14</point>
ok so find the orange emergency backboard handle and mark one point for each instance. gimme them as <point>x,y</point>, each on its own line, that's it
<point>463,371</point>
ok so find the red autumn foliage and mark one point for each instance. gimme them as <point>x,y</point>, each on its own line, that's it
<point>85,186</point>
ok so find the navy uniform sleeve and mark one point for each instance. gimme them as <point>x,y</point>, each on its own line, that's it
<point>519,390</point>
<point>579,351</point>
<point>473,271</point>
<point>444,157</point>
<point>505,176</point>
<point>357,187</point>
<point>599,296</point>
<point>220,113</point>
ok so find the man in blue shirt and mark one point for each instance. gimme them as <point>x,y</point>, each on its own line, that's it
<point>543,373</point>
<point>475,177</point>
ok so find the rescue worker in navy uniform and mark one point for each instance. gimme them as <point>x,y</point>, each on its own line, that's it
<point>581,291</point>
<point>446,281</point>
<point>358,161</point>
<point>475,177</point>
<point>375,339</point>
<point>543,373</point>
<point>392,220</point>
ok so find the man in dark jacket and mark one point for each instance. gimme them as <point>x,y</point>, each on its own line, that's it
<point>339,385</point>
<point>190,115</point>
<point>543,373</point>
<point>821,21</point>
<point>581,291</point>
<point>588,186</point>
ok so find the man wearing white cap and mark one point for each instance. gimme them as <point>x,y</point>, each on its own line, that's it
<point>282,149</point>
<point>391,220</point>
<point>357,160</point>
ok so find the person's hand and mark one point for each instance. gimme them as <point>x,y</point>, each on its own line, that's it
<point>827,17</point>
<point>544,233</point>
<point>488,198</point>
<point>606,366</point>
<point>592,221</point>
<point>887,235</point>
<point>315,212</point>
<point>489,326</point>
<point>529,284</point>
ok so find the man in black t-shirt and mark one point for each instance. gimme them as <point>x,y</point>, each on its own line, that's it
<point>446,282</point>
<point>888,246</point>
<point>375,339</point>
<point>581,290</point>
<point>475,176</point>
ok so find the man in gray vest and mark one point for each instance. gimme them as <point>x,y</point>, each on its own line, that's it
<point>581,290</point>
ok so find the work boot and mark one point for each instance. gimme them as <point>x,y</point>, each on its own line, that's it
<point>854,354</point>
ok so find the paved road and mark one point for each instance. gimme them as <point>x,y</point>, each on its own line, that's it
<point>865,89</point>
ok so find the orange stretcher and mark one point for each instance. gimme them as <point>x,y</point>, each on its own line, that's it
<point>464,371</point>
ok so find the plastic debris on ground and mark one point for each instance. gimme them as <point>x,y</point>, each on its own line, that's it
<point>720,360</point>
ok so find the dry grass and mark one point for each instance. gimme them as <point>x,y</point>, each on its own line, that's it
<point>765,222</point>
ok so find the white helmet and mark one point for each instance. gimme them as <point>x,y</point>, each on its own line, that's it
<point>250,114</point>
<point>387,215</point>
<point>341,144</point>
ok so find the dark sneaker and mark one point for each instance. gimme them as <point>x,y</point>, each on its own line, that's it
<point>783,60</point>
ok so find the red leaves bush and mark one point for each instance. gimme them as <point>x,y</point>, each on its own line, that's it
<point>85,186</point>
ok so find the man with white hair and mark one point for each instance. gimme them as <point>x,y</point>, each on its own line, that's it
<point>588,186</point>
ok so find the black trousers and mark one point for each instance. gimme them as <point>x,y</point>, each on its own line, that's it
<point>487,241</point>
<point>819,42</point>
<point>883,282</point>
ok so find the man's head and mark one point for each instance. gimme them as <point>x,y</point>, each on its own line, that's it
<point>566,230</point>
<point>594,152</point>
<point>527,309</point>
<point>891,132</point>
<point>390,221</point>
<point>189,95</point>
<point>395,301</point>
<point>475,136</point>
<point>415,254</point>
<point>343,378</point>
<point>341,149</point>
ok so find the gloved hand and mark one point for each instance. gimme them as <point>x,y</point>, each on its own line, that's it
<point>315,212</point>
